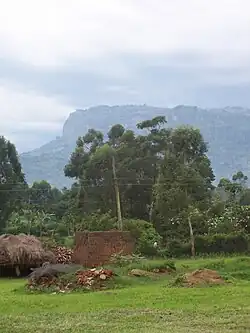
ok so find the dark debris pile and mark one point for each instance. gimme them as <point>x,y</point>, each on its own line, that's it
<point>90,279</point>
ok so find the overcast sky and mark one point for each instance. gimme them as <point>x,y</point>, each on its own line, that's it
<point>58,55</point>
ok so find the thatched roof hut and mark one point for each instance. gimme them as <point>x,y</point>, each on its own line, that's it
<point>23,250</point>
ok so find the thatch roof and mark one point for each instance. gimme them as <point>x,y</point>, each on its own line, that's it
<point>23,250</point>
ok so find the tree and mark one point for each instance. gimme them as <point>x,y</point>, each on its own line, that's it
<point>114,136</point>
<point>42,196</point>
<point>184,184</point>
<point>154,176</point>
<point>150,151</point>
<point>234,218</point>
<point>235,190</point>
<point>12,181</point>
<point>32,222</point>
<point>80,167</point>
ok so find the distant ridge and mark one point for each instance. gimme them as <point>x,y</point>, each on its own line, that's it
<point>226,130</point>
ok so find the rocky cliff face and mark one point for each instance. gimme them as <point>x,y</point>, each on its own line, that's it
<point>227,132</point>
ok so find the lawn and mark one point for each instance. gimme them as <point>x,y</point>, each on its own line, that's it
<point>150,307</point>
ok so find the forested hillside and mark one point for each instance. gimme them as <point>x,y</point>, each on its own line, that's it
<point>157,182</point>
<point>227,132</point>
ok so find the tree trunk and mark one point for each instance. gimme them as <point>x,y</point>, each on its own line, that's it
<point>117,195</point>
<point>17,269</point>
<point>151,207</point>
<point>29,226</point>
<point>191,237</point>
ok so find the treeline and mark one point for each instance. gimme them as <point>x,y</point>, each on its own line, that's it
<point>159,184</point>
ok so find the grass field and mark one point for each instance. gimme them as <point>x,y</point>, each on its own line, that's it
<point>148,307</point>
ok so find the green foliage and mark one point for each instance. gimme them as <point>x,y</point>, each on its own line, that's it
<point>43,196</point>
<point>223,243</point>
<point>162,178</point>
<point>57,240</point>
<point>97,222</point>
<point>233,218</point>
<point>152,265</point>
<point>184,182</point>
<point>235,190</point>
<point>37,223</point>
<point>212,244</point>
<point>145,236</point>
<point>31,222</point>
<point>12,181</point>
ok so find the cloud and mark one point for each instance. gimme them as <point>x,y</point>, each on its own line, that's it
<point>53,33</point>
<point>29,118</point>
<point>57,56</point>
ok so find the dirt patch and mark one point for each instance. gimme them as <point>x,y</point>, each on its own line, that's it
<point>202,276</point>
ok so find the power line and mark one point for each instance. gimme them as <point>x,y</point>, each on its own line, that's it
<point>99,186</point>
<point>74,185</point>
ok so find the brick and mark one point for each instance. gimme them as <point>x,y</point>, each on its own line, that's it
<point>96,248</point>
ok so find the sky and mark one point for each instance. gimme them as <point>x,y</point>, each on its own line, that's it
<point>59,55</point>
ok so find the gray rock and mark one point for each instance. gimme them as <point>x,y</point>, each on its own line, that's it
<point>50,270</point>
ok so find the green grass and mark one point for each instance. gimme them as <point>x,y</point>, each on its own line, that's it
<point>151,306</point>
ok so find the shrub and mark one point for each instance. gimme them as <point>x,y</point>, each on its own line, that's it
<point>145,236</point>
<point>212,244</point>
<point>98,222</point>
<point>176,248</point>
<point>223,243</point>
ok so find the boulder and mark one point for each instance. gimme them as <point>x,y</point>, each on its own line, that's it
<point>140,272</point>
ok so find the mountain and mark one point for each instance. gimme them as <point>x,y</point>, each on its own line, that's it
<point>227,132</point>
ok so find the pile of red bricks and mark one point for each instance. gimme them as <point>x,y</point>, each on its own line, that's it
<point>63,255</point>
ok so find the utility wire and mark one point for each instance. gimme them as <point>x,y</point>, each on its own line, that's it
<point>97,186</point>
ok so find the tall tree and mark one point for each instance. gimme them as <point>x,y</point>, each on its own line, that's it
<point>235,190</point>
<point>115,134</point>
<point>80,167</point>
<point>150,149</point>
<point>185,181</point>
<point>43,197</point>
<point>12,181</point>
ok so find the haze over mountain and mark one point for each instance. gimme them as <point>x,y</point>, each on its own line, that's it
<point>226,130</point>
<point>59,56</point>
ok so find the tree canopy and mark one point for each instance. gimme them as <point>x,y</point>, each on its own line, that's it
<point>157,177</point>
<point>12,180</point>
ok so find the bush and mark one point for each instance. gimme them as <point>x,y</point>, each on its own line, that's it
<point>98,222</point>
<point>176,248</point>
<point>145,236</point>
<point>212,244</point>
<point>223,243</point>
<point>57,240</point>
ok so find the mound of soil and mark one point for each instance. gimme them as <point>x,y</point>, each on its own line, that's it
<point>202,276</point>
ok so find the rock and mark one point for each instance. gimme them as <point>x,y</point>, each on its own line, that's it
<point>140,272</point>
